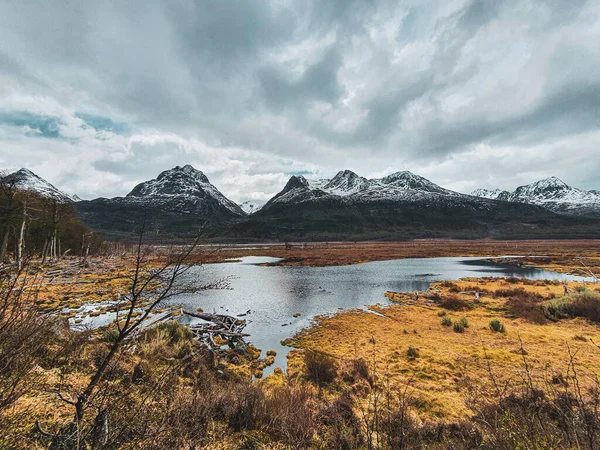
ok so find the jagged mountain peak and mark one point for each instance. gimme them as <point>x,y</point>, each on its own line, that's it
<point>407,180</point>
<point>187,184</point>
<point>552,193</point>
<point>26,180</point>
<point>548,188</point>
<point>400,175</point>
<point>295,182</point>
<point>186,170</point>
<point>549,183</point>
<point>346,181</point>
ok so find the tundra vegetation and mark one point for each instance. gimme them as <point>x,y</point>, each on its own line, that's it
<point>356,380</point>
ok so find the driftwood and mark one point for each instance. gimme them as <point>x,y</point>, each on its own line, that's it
<point>226,327</point>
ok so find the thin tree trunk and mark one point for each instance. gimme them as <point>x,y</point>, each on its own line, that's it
<point>45,250</point>
<point>4,244</point>
<point>21,242</point>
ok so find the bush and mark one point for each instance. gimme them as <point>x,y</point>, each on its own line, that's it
<point>454,303</point>
<point>583,304</point>
<point>291,417</point>
<point>496,325</point>
<point>320,368</point>
<point>446,321</point>
<point>458,327</point>
<point>341,427</point>
<point>527,306</point>
<point>464,322</point>
<point>441,313</point>
<point>412,352</point>
<point>516,292</point>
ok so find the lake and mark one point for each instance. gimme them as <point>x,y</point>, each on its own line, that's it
<point>272,295</point>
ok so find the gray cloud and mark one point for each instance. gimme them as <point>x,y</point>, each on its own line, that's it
<point>253,91</point>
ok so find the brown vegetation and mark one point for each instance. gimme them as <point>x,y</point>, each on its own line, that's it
<point>570,256</point>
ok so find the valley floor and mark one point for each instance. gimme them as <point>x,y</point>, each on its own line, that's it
<point>516,366</point>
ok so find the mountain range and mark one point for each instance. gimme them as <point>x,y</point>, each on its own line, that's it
<point>181,202</point>
<point>551,193</point>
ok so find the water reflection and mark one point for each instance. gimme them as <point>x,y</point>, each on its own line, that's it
<point>273,295</point>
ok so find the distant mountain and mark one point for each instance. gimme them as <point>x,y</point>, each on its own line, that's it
<point>399,206</point>
<point>26,180</point>
<point>183,187</point>
<point>494,194</point>
<point>350,188</point>
<point>553,194</point>
<point>250,207</point>
<point>179,202</point>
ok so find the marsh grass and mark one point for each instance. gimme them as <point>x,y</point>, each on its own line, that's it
<point>584,304</point>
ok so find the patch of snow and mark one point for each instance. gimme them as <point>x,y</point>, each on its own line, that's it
<point>250,207</point>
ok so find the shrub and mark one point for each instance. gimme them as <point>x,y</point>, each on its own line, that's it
<point>458,327</point>
<point>584,304</point>
<point>454,303</point>
<point>527,306</point>
<point>320,368</point>
<point>446,321</point>
<point>412,352</point>
<point>291,417</point>
<point>496,325</point>
<point>442,313</point>
<point>464,322</point>
<point>341,427</point>
<point>509,292</point>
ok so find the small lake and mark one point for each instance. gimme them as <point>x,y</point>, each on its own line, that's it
<point>272,295</point>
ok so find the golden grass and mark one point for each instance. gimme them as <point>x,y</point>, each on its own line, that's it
<point>448,360</point>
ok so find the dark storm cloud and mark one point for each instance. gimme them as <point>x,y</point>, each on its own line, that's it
<point>318,82</point>
<point>571,110</point>
<point>256,87</point>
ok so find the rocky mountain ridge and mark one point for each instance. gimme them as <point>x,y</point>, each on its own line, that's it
<point>26,180</point>
<point>181,202</point>
<point>551,193</point>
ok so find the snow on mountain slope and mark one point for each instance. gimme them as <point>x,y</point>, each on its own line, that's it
<point>26,180</point>
<point>348,187</point>
<point>551,193</point>
<point>183,184</point>
<point>346,182</point>
<point>493,194</point>
<point>251,206</point>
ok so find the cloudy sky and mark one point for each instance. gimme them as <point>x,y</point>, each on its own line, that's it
<point>96,96</point>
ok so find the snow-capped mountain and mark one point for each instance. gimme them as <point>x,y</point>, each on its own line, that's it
<point>182,184</point>
<point>553,194</point>
<point>402,205</point>
<point>348,187</point>
<point>493,194</point>
<point>26,180</point>
<point>251,206</point>
<point>179,202</point>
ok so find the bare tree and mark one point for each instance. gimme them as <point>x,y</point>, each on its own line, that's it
<point>8,206</point>
<point>148,289</point>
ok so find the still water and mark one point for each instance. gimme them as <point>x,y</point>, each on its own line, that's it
<point>272,295</point>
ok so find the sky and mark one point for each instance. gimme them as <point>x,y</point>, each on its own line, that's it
<point>97,96</point>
